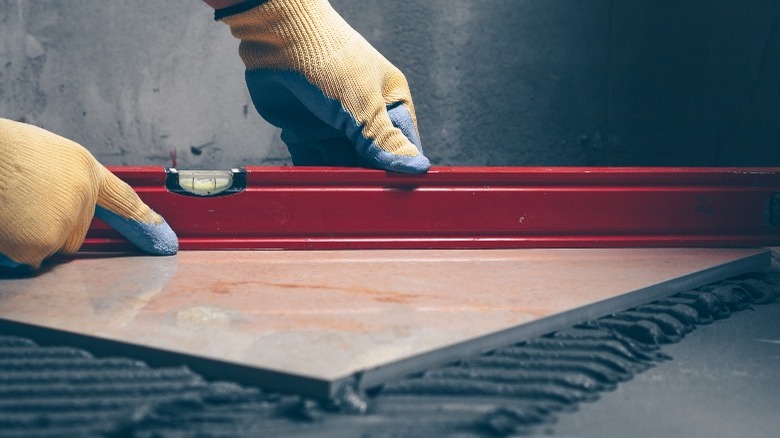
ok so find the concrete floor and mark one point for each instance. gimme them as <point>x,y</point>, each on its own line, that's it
<point>722,381</point>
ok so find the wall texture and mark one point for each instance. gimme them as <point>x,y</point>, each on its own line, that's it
<point>496,82</point>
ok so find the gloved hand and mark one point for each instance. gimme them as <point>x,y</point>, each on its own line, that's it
<point>50,187</point>
<point>326,87</point>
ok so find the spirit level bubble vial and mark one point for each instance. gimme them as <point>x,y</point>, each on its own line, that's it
<point>205,183</point>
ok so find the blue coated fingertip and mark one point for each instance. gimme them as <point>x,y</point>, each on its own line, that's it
<point>418,164</point>
<point>5,262</point>
<point>402,119</point>
<point>396,163</point>
<point>156,239</point>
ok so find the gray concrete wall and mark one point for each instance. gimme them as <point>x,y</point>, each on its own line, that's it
<point>496,82</point>
<point>132,81</point>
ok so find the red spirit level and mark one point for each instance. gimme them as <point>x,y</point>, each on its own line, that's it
<point>457,207</point>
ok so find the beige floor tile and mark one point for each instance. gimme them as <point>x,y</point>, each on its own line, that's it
<point>326,315</point>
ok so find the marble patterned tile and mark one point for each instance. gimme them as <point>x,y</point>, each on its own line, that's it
<point>326,315</point>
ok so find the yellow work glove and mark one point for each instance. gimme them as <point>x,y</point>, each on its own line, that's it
<point>50,187</point>
<point>325,86</point>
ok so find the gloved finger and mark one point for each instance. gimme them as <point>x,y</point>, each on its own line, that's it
<point>402,119</point>
<point>392,126</point>
<point>388,132</point>
<point>120,207</point>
